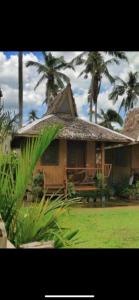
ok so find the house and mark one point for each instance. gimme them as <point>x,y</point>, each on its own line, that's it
<point>73,154</point>
<point>125,158</point>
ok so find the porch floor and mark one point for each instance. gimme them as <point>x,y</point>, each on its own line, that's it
<point>85,188</point>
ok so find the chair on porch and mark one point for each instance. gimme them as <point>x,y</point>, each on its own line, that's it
<point>82,178</point>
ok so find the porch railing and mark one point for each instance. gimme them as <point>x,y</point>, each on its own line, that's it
<point>84,176</point>
<point>107,169</point>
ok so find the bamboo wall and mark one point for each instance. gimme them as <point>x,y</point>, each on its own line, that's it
<point>55,175</point>
<point>90,156</point>
<point>121,160</point>
<point>135,156</point>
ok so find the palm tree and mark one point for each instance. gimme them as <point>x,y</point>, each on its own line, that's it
<point>128,89</point>
<point>51,73</point>
<point>109,117</point>
<point>20,87</point>
<point>32,115</point>
<point>97,67</point>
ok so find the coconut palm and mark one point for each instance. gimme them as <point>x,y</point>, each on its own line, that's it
<point>128,89</point>
<point>97,67</point>
<point>109,117</point>
<point>33,115</point>
<point>50,72</point>
<point>20,87</point>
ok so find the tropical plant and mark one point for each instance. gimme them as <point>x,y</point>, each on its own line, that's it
<point>33,115</point>
<point>109,117</point>
<point>137,185</point>
<point>20,87</point>
<point>8,124</point>
<point>37,187</point>
<point>40,222</point>
<point>71,189</point>
<point>97,67</point>
<point>13,188</point>
<point>129,90</point>
<point>50,72</point>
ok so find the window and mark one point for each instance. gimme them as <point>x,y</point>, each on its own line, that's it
<point>51,155</point>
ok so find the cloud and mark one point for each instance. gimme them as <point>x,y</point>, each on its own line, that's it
<point>34,99</point>
<point>9,83</point>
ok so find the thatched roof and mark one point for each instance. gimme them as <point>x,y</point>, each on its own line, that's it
<point>131,124</point>
<point>74,129</point>
<point>57,105</point>
<point>63,111</point>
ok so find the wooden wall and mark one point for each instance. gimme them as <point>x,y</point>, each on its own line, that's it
<point>54,175</point>
<point>90,156</point>
<point>121,160</point>
<point>135,156</point>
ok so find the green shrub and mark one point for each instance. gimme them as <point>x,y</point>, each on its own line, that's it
<point>40,222</point>
<point>120,187</point>
<point>37,187</point>
<point>71,189</point>
<point>13,185</point>
<point>137,185</point>
<point>98,193</point>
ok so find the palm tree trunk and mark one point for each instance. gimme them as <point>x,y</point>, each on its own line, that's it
<point>99,85</point>
<point>96,112</point>
<point>91,107</point>
<point>20,87</point>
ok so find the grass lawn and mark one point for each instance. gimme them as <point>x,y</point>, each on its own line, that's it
<point>116,227</point>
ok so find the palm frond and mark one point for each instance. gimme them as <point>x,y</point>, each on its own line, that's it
<point>64,77</point>
<point>13,190</point>
<point>40,81</point>
<point>83,72</point>
<point>111,61</point>
<point>45,56</point>
<point>119,54</point>
<point>109,76</point>
<point>59,81</point>
<point>78,60</point>
<point>116,92</point>
<point>117,78</point>
<point>123,105</point>
<point>32,63</point>
<point>113,116</point>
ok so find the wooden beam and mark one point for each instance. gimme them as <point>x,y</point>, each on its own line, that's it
<point>103,160</point>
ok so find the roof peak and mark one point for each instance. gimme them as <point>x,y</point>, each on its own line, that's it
<point>63,103</point>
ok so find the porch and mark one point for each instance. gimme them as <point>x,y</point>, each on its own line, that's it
<point>79,162</point>
<point>85,179</point>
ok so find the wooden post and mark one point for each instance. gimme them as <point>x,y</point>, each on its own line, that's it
<point>103,161</point>
<point>64,161</point>
<point>65,181</point>
<point>103,171</point>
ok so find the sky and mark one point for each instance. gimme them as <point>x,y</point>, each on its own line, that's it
<point>34,99</point>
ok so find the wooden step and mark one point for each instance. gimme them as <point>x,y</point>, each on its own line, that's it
<point>85,188</point>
